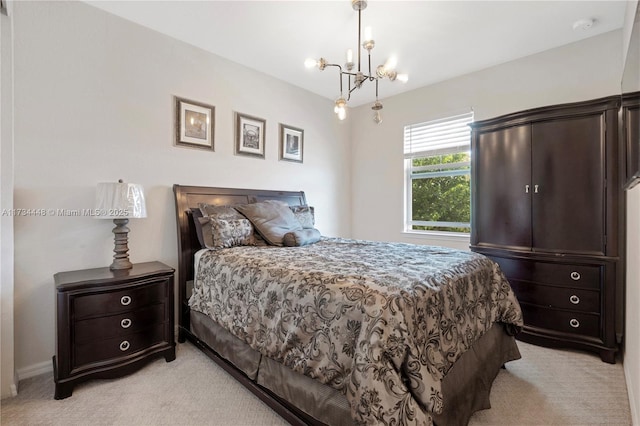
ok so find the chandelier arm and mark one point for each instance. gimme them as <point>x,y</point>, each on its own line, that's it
<point>352,89</point>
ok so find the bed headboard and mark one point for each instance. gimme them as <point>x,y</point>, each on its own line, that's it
<point>188,197</point>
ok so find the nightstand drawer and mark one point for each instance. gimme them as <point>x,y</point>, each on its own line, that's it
<point>557,297</point>
<point>119,325</point>
<point>97,305</point>
<point>563,321</point>
<point>122,346</point>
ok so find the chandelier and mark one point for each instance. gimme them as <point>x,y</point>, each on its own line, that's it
<point>355,79</point>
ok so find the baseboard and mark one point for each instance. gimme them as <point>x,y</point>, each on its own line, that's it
<point>34,370</point>
<point>633,401</point>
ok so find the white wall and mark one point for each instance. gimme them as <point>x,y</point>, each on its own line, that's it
<point>580,71</point>
<point>7,370</point>
<point>93,103</point>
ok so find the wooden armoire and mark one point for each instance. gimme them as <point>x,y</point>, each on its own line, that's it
<point>548,207</point>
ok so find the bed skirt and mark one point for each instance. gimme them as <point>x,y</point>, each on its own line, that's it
<point>465,388</point>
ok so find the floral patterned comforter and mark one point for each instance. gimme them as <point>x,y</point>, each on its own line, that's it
<point>382,322</point>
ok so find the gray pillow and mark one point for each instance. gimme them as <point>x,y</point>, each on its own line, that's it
<point>206,232</point>
<point>305,215</point>
<point>271,219</point>
<point>301,237</point>
<point>196,214</point>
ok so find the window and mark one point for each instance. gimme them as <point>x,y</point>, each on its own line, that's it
<point>438,165</point>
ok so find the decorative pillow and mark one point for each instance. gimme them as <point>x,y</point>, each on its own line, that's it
<point>231,232</point>
<point>204,223</point>
<point>220,212</point>
<point>271,219</point>
<point>301,237</point>
<point>305,215</point>
<point>196,214</point>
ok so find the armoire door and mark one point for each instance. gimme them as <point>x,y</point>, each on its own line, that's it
<point>502,199</point>
<point>568,179</point>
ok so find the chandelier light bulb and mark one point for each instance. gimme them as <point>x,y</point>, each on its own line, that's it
<point>377,116</point>
<point>403,77</point>
<point>368,34</point>
<point>310,63</point>
<point>349,64</point>
<point>391,63</point>
<point>340,108</point>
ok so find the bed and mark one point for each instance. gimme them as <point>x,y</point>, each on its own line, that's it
<point>344,332</point>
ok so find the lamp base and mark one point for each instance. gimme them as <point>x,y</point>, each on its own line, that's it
<point>121,239</point>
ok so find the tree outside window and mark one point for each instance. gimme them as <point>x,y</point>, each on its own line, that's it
<point>438,175</point>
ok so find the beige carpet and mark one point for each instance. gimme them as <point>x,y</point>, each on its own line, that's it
<point>545,387</point>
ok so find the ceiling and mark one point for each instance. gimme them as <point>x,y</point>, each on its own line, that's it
<point>432,40</point>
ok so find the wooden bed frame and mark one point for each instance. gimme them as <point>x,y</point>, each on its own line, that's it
<point>189,197</point>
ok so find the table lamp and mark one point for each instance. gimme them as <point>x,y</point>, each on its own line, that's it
<point>120,201</point>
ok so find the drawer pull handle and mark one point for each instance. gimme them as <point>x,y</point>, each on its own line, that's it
<point>574,323</point>
<point>125,300</point>
<point>125,323</point>
<point>575,276</point>
<point>124,346</point>
<point>574,299</point>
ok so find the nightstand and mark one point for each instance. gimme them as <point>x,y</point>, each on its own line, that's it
<point>110,323</point>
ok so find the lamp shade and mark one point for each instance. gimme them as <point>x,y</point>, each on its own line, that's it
<point>119,200</point>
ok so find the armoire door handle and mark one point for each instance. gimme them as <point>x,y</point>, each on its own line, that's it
<point>526,189</point>
<point>535,188</point>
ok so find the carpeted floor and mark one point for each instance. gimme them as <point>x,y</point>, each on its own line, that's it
<point>545,387</point>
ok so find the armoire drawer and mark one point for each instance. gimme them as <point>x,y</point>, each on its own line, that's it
<point>95,305</point>
<point>118,325</point>
<point>563,321</point>
<point>577,299</point>
<point>559,274</point>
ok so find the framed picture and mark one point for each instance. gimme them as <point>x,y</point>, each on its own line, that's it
<point>194,124</point>
<point>291,143</point>
<point>250,135</point>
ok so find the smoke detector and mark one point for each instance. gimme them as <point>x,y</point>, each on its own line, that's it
<point>583,24</point>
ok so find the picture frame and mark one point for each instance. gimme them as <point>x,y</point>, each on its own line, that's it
<point>250,135</point>
<point>194,124</point>
<point>291,143</point>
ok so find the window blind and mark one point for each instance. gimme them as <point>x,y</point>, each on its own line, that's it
<point>444,136</point>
